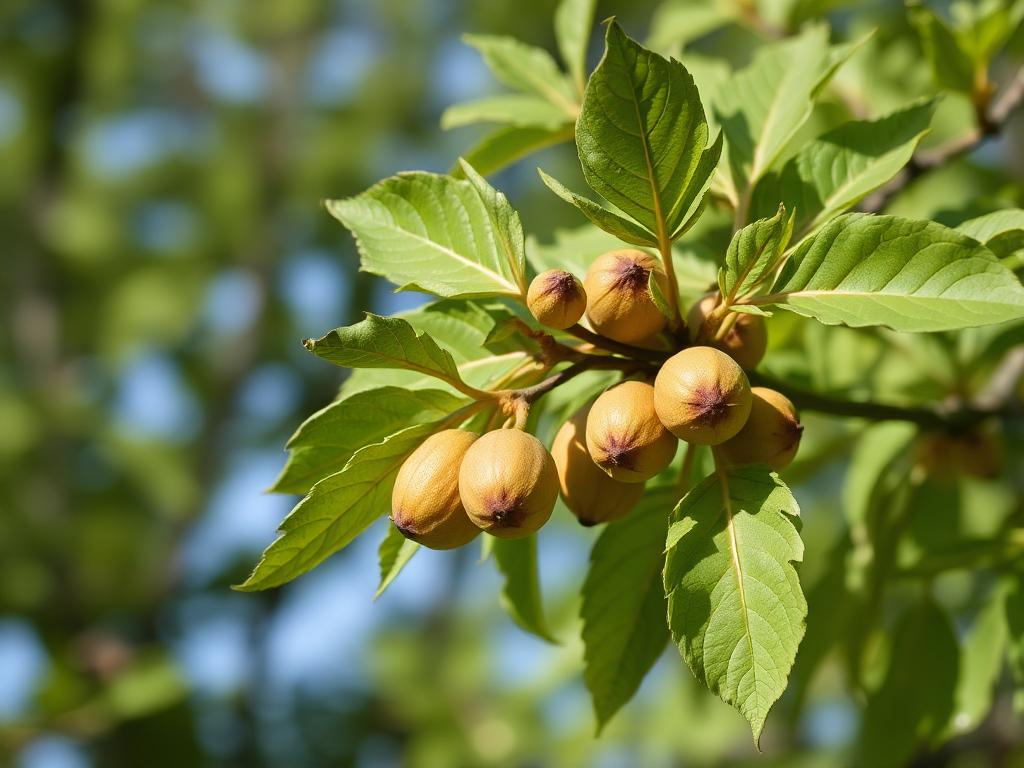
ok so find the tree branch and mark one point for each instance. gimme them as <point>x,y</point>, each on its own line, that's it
<point>990,121</point>
<point>951,415</point>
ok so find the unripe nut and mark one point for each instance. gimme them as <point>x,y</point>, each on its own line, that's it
<point>590,494</point>
<point>425,503</point>
<point>771,435</point>
<point>619,302</point>
<point>745,342</point>
<point>556,298</point>
<point>625,437</point>
<point>702,396</point>
<point>508,483</point>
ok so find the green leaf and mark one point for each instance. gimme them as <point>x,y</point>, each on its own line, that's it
<point>609,221</point>
<point>981,661</point>
<point>505,224</point>
<point>1002,232</point>
<point>755,253</point>
<point>386,342</point>
<point>735,606</point>
<point>573,21</point>
<point>950,64</point>
<point>642,136</point>
<point>509,109</point>
<point>916,698</point>
<point>878,448</point>
<point>525,68</point>
<point>835,171</point>
<point>677,22</point>
<point>1015,639</point>
<point>909,275</point>
<point>658,296</point>
<point>325,441</point>
<point>432,233</point>
<point>508,144</point>
<point>761,107</point>
<point>337,509</point>
<point>516,559</point>
<point>394,553</point>
<point>623,608</point>
<point>462,327</point>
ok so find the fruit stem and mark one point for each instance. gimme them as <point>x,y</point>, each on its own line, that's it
<point>628,350</point>
<point>665,249</point>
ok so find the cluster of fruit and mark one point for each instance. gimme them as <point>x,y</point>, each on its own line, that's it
<point>506,482</point>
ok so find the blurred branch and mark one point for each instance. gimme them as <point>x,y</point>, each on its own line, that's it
<point>990,119</point>
<point>948,415</point>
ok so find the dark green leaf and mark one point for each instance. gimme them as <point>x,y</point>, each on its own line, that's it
<point>915,700</point>
<point>520,595</point>
<point>643,137</point>
<point>623,608</point>
<point>394,553</point>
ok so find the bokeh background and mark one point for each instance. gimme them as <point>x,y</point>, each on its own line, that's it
<point>162,252</point>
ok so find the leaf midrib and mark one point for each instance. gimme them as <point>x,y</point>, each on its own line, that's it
<point>737,568</point>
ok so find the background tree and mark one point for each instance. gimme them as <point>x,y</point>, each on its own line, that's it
<point>166,250</point>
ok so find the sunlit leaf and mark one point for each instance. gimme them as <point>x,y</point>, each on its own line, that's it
<point>754,253</point>
<point>643,137</point>
<point>573,22</point>
<point>609,221</point>
<point>433,233</point>
<point>326,440</point>
<point>909,275</point>
<point>735,605</point>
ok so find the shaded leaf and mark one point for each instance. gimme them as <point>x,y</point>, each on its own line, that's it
<point>981,661</point>
<point>516,559</point>
<point>508,144</point>
<point>761,107</point>
<point>916,698</point>
<point>951,66</point>
<point>623,609</point>
<point>385,342</point>
<point>735,606</point>
<point>1002,232</point>
<point>394,553</point>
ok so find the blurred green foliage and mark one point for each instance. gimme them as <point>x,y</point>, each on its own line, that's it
<point>164,251</point>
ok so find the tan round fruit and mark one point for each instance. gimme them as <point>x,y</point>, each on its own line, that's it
<point>771,435</point>
<point>425,504</point>
<point>625,437</point>
<point>702,396</point>
<point>556,298</point>
<point>745,342</point>
<point>590,494</point>
<point>508,483</point>
<point>619,303</point>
